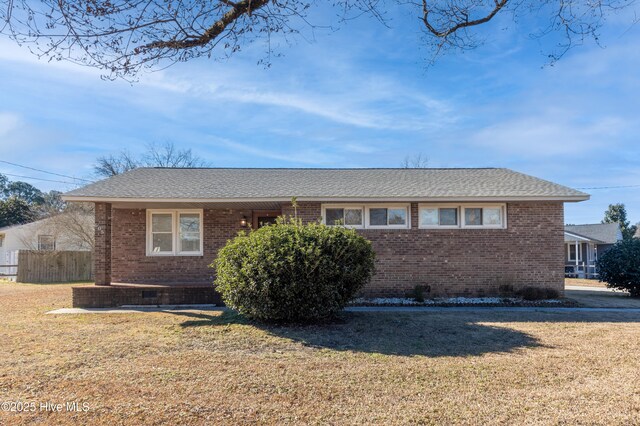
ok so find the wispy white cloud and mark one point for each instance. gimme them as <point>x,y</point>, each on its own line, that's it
<point>293,155</point>
<point>8,123</point>
<point>368,106</point>
<point>549,135</point>
<point>360,148</point>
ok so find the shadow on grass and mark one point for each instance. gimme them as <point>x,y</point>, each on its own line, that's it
<point>387,333</point>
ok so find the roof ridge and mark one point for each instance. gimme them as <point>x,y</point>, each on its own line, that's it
<point>591,224</point>
<point>322,168</point>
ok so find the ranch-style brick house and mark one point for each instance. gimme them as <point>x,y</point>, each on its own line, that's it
<point>454,231</point>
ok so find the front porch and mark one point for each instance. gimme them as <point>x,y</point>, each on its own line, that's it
<point>581,254</point>
<point>138,262</point>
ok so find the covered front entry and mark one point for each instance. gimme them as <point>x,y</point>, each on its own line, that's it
<point>160,253</point>
<point>581,254</point>
<point>264,217</point>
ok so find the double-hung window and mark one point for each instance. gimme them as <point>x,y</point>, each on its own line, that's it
<point>462,216</point>
<point>174,233</point>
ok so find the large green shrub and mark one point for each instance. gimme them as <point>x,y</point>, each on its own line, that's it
<point>290,272</point>
<point>619,266</point>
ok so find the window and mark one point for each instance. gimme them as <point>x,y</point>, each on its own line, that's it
<point>375,216</point>
<point>378,217</point>
<point>162,232</point>
<point>350,216</point>
<point>387,217</point>
<point>486,217</point>
<point>473,217</point>
<point>571,250</point>
<point>46,242</point>
<point>461,216</point>
<point>174,232</point>
<point>189,236</point>
<point>438,217</point>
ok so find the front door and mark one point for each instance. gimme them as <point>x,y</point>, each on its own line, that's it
<point>265,217</point>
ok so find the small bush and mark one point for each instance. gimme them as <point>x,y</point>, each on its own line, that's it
<point>506,290</point>
<point>538,293</point>
<point>290,272</point>
<point>619,266</point>
<point>418,292</point>
<point>504,283</point>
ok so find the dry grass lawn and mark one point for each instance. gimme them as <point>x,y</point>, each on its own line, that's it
<point>584,282</point>
<point>480,367</point>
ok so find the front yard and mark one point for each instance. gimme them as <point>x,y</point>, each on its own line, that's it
<point>582,282</point>
<point>211,367</point>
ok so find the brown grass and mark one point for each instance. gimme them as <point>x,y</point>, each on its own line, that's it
<point>584,282</point>
<point>481,367</point>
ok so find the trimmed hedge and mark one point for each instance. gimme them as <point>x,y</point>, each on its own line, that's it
<point>619,266</point>
<point>290,272</point>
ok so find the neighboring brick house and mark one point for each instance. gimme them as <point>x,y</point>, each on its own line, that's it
<point>454,231</point>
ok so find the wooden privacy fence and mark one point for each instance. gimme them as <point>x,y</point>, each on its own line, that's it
<point>54,266</point>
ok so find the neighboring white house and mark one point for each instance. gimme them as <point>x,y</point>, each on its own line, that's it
<point>53,233</point>
<point>583,245</point>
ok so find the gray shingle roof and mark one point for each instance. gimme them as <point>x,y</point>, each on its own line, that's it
<point>608,233</point>
<point>229,184</point>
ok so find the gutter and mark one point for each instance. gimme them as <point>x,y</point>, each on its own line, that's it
<point>99,199</point>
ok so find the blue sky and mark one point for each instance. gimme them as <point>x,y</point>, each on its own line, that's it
<point>362,96</point>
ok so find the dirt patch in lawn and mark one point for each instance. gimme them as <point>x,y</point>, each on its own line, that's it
<point>365,368</point>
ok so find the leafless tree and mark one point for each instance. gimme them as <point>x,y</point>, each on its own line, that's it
<point>123,36</point>
<point>76,223</point>
<point>157,155</point>
<point>417,161</point>
<point>111,165</point>
<point>167,155</point>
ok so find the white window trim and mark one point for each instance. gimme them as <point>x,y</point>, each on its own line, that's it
<point>461,216</point>
<point>438,206</point>
<point>502,207</point>
<point>569,245</point>
<point>344,206</point>
<point>53,242</point>
<point>407,208</point>
<point>175,234</point>
<point>365,214</point>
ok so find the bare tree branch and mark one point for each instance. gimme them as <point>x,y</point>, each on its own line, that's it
<point>417,161</point>
<point>157,155</point>
<point>124,36</point>
<point>455,13</point>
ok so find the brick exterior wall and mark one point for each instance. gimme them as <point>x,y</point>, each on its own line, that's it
<point>102,245</point>
<point>468,262</point>
<point>130,264</point>
<point>115,295</point>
